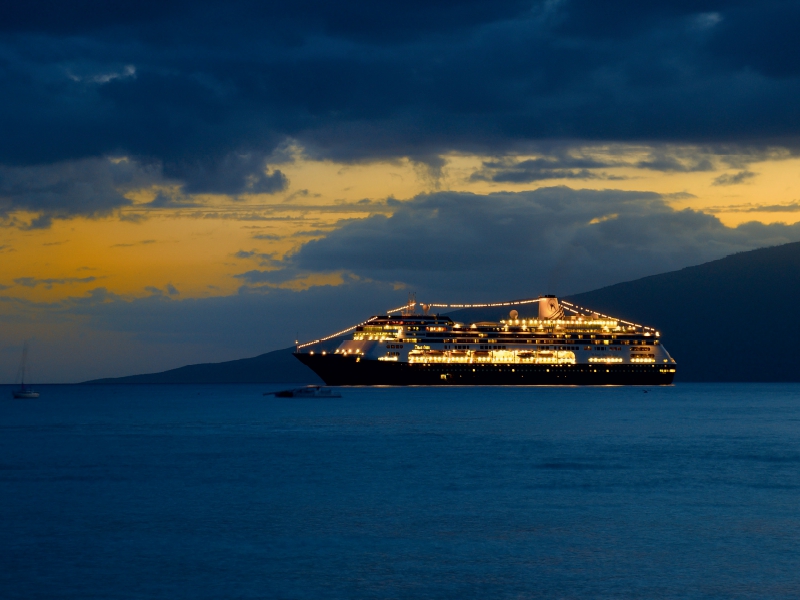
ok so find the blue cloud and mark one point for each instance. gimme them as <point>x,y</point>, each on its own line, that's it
<point>48,283</point>
<point>552,239</point>
<point>196,86</point>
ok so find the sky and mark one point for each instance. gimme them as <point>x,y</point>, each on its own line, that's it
<point>186,182</point>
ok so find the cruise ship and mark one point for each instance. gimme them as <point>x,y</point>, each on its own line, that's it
<point>550,348</point>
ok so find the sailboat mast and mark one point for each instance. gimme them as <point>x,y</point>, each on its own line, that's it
<point>24,391</point>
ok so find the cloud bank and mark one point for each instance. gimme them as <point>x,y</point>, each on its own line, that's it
<point>551,240</point>
<point>194,85</point>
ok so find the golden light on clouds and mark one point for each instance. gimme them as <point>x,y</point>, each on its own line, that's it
<point>194,246</point>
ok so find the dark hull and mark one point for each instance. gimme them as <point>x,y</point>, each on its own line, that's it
<point>337,369</point>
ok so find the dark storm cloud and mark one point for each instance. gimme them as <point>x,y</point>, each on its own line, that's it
<point>192,85</point>
<point>130,244</point>
<point>273,277</point>
<point>672,161</point>
<point>552,239</point>
<point>50,282</point>
<point>169,289</point>
<point>94,187</point>
<point>761,37</point>
<point>359,19</point>
<point>264,260</point>
<point>735,179</point>
<point>88,187</point>
<point>233,174</point>
<point>789,207</point>
<point>560,161</point>
<point>539,169</point>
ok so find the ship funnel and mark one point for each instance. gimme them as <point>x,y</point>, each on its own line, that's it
<point>550,309</point>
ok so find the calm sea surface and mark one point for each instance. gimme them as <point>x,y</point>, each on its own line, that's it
<point>691,491</point>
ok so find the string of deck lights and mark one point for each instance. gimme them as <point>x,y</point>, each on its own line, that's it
<point>337,334</point>
<point>489,305</point>
<point>568,305</point>
<point>349,329</point>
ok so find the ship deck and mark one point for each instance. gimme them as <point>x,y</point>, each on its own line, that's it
<point>338,369</point>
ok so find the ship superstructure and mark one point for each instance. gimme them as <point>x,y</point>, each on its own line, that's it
<point>549,349</point>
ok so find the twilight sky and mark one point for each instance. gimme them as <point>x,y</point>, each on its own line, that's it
<point>201,181</point>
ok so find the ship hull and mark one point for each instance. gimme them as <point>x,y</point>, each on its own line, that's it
<point>337,369</point>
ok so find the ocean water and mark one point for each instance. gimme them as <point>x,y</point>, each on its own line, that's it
<point>691,491</point>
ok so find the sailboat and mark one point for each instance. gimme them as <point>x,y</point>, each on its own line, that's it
<point>24,391</point>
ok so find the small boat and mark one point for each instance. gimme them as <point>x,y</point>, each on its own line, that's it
<point>309,391</point>
<point>24,392</point>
